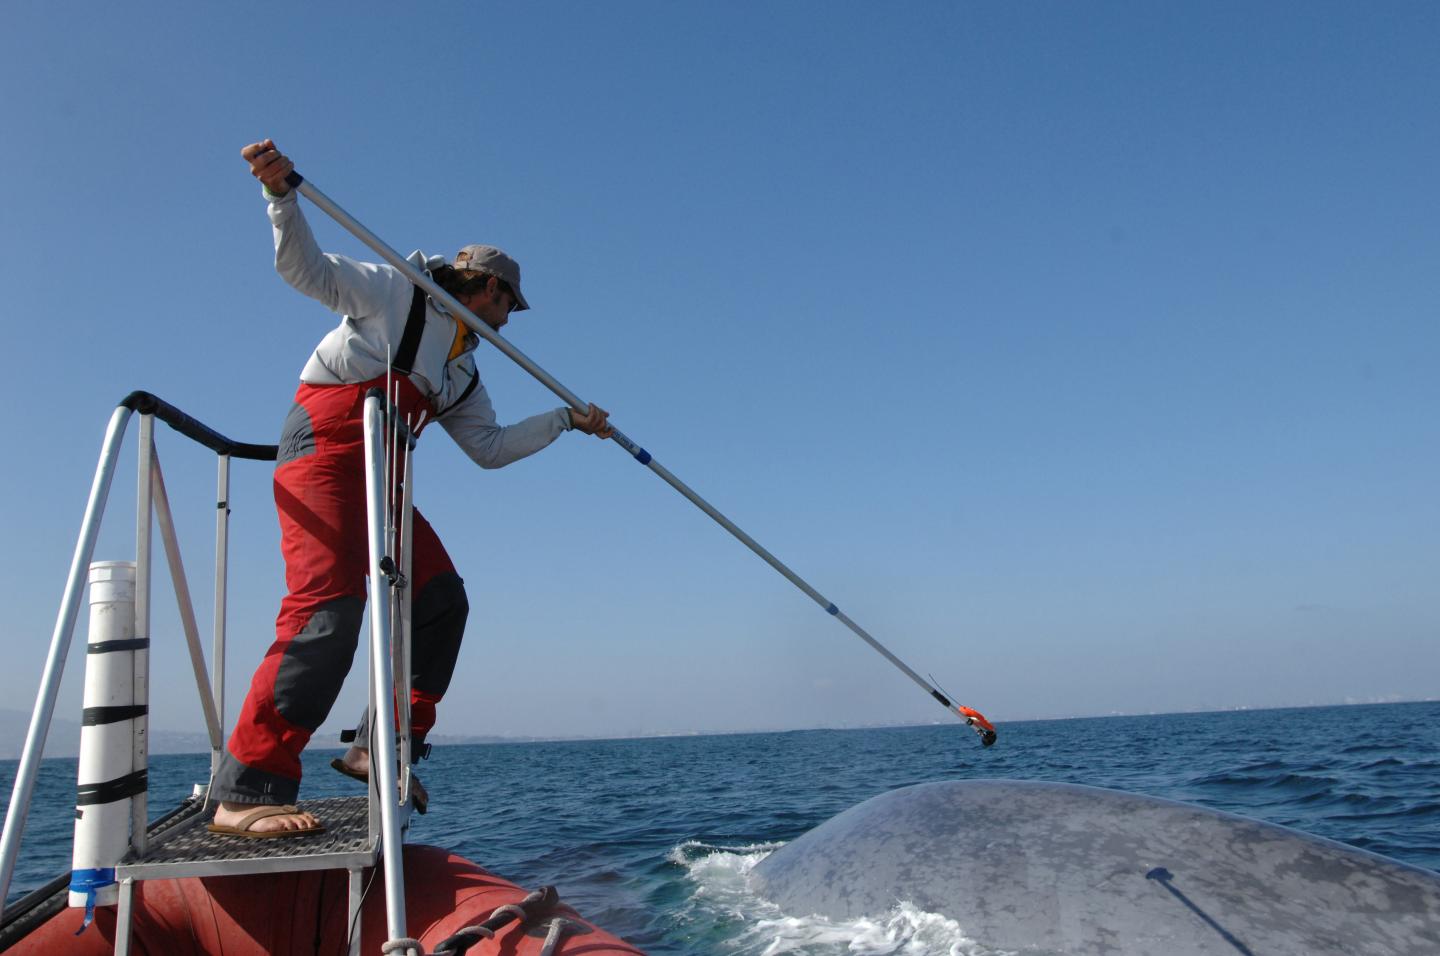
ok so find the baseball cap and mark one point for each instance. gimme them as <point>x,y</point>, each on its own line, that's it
<point>492,261</point>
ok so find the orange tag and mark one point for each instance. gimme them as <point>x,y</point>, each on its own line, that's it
<point>974,717</point>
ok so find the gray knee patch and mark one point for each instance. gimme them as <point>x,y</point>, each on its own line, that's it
<point>439,617</point>
<point>315,663</point>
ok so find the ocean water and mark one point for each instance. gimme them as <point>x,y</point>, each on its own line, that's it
<point>654,838</point>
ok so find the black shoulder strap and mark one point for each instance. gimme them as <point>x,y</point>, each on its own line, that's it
<point>404,362</point>
<point>474,382</point>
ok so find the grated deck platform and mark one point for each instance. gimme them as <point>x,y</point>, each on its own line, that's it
<point>187,848</point>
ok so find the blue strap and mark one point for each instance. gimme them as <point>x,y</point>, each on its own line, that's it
<point>90,882</point>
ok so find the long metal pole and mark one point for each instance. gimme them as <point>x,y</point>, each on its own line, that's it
<point>59,647</point>
<point>462,314</point>
<point>382,700</point>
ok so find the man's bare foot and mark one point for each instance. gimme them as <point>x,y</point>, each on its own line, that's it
<point>357,759</point>
<point>230,814</point>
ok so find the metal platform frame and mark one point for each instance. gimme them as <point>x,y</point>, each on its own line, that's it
<point>357,828</point>
<point>187,849</point>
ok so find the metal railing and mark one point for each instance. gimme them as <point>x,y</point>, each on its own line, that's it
<point>388,512</point>
<point>388,442</point>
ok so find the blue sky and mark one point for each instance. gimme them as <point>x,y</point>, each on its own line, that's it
<point>1085,354</point>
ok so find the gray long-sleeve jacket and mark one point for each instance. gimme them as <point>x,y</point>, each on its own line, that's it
<point>374,303</point>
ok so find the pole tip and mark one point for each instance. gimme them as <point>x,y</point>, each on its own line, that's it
<point>978,723</point>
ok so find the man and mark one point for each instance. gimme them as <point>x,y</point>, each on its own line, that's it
<point>388,327</point>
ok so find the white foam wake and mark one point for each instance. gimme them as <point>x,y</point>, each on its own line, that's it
<point>725,915</point>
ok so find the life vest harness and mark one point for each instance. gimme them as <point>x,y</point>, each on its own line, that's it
<point>404,360</point>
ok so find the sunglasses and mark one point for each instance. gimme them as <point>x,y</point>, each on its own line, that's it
<point>514,299</point>
<point>482,281</point>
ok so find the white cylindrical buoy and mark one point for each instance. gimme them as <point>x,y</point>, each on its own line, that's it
<point>108,778</point>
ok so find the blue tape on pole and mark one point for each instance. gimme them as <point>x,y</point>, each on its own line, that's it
<point>90,882</point>
<point>643,457</point>
<point>832,609</point>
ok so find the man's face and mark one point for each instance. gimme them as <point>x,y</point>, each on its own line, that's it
<point>492,303</point>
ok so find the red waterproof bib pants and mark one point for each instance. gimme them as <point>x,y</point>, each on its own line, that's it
<point>320,496</point>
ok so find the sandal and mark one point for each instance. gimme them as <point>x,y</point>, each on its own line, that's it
<point>242,829</point>
<point>421,799</point>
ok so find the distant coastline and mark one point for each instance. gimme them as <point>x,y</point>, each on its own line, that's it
<point>64,738</point>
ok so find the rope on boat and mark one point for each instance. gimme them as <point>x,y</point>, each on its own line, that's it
<point>463,939</point>
<point>559,926</point>
<point>536,904</point>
